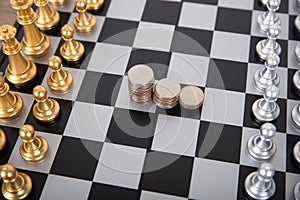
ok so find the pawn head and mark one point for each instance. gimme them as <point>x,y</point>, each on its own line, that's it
<point>267,131</point>
<point>266,171</point>
<point>54,63</point>
<point>67,32</point>
<point>271,93</point>
<point>274,30</point>
<point>8,173</point>
<point>273,4</point>
<point>40,93</point>
<point>272,60</point>
<point>81,5</point>
<point>26,133</point>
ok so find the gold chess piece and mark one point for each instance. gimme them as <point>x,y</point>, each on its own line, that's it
<point>48,17</point>
<point>16,185</point>
<point>33,148</point>
<point>45,109</point>
<point>58,2</point>
<point>59,80</point>
<point>94,4</point>
<point>84,21</point>
<point>19,71</point>
<point>34,43</point>
<point>2,139</point>
<point>71,50</point>
<point>11,104</point>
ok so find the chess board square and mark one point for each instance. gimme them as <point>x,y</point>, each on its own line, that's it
<point>211,176</point>
<point>90,36</point>
<point>56,31</point>
<point>279,159</point>
<point>93,128</point>
<point>192,41</point>
<point>160,173</point>
<point>191,13</point>
<point>68,188</point>
<point>293,8</point>
<point>57,126</point>
<point>12,135</point>
<point>19,121</point>
<point>291,128</point>
<point>132,128</point>
<point>247,5</point>
<point>154,36</point>
<point>124,101</point>
<point>250,121</point>
<point>219,142</point>
<point>223,106</point>
<point>166,12</point>
<point>176,135</point>
<point>292,91</point>
<point>108,192</point>
<point>233,20</point>
<point>220,75</point>
<point>120,165</point>
<point>284,6</point>
<point>189,69</point>
<point>99,88</point>
<point>281,71</point>
<point>230,46</point>
<point>117,31</point>
<point>44,167</point>
<point>146,195</point>
<point>123,9</point>
<point>284,19</point>
<point>279,179</point>
<point>211,2</point>
<point>157,60</point>
<point>76,158</point>
<point>292,61</point>
<point>291,163</point>
<point>109,58</point>
<point>291,181</point>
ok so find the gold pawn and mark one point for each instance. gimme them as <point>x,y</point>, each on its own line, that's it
<point>48,17</point>
<point>11,104</point>
<point>16,185</point>
<point>59,80</point>
<point>94,4</point>
<point>58,2</point>
<point>33,148</point>
<point>45,109</point>
<point>71,50</point>
<point>84,21</point>
<point>19,71</point>
<point>2,139</point>
<point>34,43</point>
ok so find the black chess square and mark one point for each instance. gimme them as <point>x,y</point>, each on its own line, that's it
<point>233,20</point>
<point>225,69</point>
<point>292,91</point>
<point>250,121</point>
<point>227,142</point>
<point>99,88</point>
<point>132,128</point>
<point>109,192</point>
<point>291,164</point>
<point>77,158</point>
<point>12,135</point>
<point>161,173</point>
<point>117,31</point>
<point>192,41</point>
<point>157,60</point>
<point>166,12</point>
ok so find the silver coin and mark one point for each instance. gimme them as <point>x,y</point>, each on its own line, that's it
<point>167,89</point>
<point>140,76</point>
<point>191,97</point>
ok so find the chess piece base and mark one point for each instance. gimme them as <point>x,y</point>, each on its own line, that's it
<point>15,110</point>
<point>85,28</point>
<point>262,115</point>
<point>63,85</point>
<point>35,155</point>
<point>22,192</point>
<point>296,151</point>
<point>297,191</point>
<point>296,80</point>
<point>38,50</point>
<point>48,23</point>
<point>264,52</point>
<point>297,52</point>
<point>296,117</point>
<point>48,116</point>
<point>94,5</point>
<point>72,56</point>
<point>258,154</point>
<point>2,139</point>
<point>261,83</point>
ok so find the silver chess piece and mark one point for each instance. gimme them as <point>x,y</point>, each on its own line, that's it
<point>262,146</point>
<point>297,23</point>
<point>297,52</point>
<point>296,81</point>
<point>260,184</point>
<point>269,46</point>
<point>269,18</point>
<point>266,109</point>
<point>264,2</point>
<point>296,152</point>
<point>298,3</point>
<point>296,116</point>
<point>297,191</point>
<point>267,76</point>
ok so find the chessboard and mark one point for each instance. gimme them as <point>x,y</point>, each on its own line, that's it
<point>103,146</point>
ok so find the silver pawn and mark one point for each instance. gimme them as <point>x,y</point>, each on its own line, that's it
<point>269,46</point>
<point>262,146</point>
<point>297,23</point>
<point>296,152</point>
<point>264,2</point>
<point>297,52</point>
<point>267,76</point>
<point>260,184</point>
<point>270,17</point>
<point>297,191</point>
<point>296,116</point>
<point>266,109</point>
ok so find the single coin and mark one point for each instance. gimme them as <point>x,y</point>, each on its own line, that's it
<point>191,97</point>
<point>140,75</point>
<point>167,89</point>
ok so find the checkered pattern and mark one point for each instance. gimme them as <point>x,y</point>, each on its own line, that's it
<point>105,147</point>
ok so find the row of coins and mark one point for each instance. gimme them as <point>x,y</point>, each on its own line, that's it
<point>166,93</point>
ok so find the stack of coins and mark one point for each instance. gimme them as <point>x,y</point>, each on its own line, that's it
<point>140,84</point>
<point>166,93</point>
<point>191,97</point>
